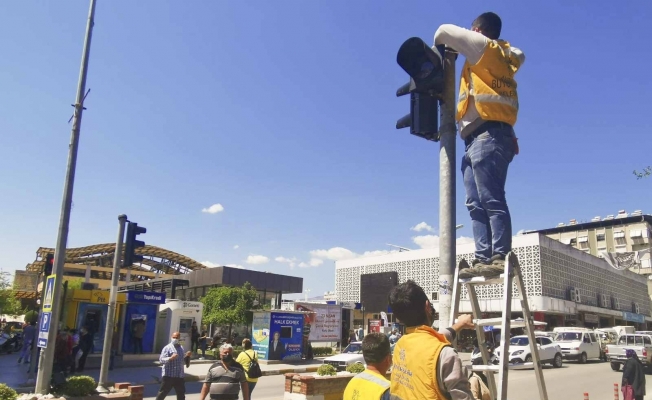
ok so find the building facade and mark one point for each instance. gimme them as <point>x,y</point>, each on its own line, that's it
<point>565,286</point>
<point>615,234</point>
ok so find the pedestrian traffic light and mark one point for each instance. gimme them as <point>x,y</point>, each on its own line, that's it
<point>131,244</point>
<point>49,263</point>
<point>425,67</point>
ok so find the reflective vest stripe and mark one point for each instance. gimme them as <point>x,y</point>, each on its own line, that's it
<point>494,98</point>
<point>374,379</point>
<point>394,397</point>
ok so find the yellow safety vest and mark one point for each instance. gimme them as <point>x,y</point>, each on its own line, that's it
<point>367,385</point>
<point>414,375</point>
<point>491,83</point>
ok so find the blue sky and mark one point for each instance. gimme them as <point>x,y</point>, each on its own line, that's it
<point>284,114</point>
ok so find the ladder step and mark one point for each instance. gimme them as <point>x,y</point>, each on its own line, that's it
<point>515,323</point>
<point>481,280</point>
<point>496,368</point>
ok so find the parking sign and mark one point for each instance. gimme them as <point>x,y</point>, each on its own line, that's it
<point>44,328</point>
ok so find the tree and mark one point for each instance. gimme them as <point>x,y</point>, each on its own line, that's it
<point>647,171</point>
<point>230,305</point>
<point>9,304</point>
<point>75,283</point>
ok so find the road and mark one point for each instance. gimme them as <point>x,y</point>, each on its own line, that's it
<point>566,383</point>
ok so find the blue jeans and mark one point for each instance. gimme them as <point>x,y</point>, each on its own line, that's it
<point>251,386</point>
<point>484,168</point>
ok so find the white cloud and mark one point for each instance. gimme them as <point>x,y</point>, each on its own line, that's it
<point>334,253</point>
<point>302,265</point>
<point>256,259</point>
<point>214,209</point>
<point>316,262</point>
<point>210,264</point>
<point>377,253</point>
<point>236,247</point>
<point>235,266</point>
<point>422,226</point>
<point>292,262</point>
<point>432,241</point>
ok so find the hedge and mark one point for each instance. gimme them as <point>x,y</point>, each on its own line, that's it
<point>355,368</point>
<point>7,393</point>
<point>322,351</point>
<point>326,369</point>
<point>79,386</point>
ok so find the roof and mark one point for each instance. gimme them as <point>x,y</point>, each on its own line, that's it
<point>597,224</point>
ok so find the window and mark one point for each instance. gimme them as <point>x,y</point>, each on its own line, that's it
<point>566,240</point>
<point>635,233</point>
<point>622,340</point>
<point>600,237</point>
<point>638,340</point>
<point>593,339</point>
<point>619,238</point>
<point>583,242</point>
<point>545,341</point>
<point>646,263</point>
<point>573,242</point>
<point>435,296</point>
<point>647,340</point>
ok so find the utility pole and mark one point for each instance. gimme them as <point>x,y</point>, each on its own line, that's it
<point>447,227</point>
<point>110,316</point>
<point>47,354</point>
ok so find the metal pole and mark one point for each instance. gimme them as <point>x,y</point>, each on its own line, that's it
<point>447,191</point>
<point>45,366</point>
<point>110,315</point>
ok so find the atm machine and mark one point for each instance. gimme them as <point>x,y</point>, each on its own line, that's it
<point>177,316</point>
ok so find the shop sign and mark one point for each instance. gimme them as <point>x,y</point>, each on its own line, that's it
<point>100,296</point>
<point>591,319</point>
<point>134,296</point>
<point>631,317</point>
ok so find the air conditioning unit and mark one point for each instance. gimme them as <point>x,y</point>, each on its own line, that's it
<point>604,301</point>
<point>574,295</point>
<point>635,308</point>
<point>615,303</point>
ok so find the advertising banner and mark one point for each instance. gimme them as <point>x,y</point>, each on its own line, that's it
<point>324,322</point>
<point>374,325</point>
<point>260,334</point>
<point>286,336</point>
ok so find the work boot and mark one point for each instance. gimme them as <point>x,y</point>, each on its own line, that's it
<point>474,271</point>
<point>495,268</point>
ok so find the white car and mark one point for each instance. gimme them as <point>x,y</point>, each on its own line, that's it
<point>352,354</point>
<point>519,351</point>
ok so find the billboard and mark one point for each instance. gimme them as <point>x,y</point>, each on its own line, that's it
<point>325,325</point>
<point>285,336</point>
<point>374,289</point>
<point>260,334</point>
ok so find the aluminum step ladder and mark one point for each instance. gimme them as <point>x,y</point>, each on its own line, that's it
<point>512,271</point>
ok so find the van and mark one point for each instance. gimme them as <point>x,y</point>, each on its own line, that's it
<point>579,344</point>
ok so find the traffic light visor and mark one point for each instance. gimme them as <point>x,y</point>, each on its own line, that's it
<point>422,63</point>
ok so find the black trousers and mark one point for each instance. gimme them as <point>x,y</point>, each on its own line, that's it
<point>167,383</point>
<point>82,361</point>
<point>138,345</point>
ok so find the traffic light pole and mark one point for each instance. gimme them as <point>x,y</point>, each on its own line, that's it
<point>47,354</point>
<point>447,139</point>
<point>110,316</point>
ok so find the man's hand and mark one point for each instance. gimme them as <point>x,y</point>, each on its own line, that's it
<point>174,356</point>
<point>464,321</point>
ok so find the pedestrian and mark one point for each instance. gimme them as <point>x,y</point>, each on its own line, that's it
<point>203,342</point>
<point>172,359</point>
<point>360,333</point>
<point>351,336</point>
<point>225,378</point>
<point>393,337</point>
<point>61,357</point>
<point>478,383</point>
<point>486,113</point>
<point>371,383</point>
<point>29,335</point>
<point>75,350</point>
<point>633,383</point>
<point>426,367</point>
<point>246,358</point>
<point>138,331</point>
<point>85,346</point>
<point>194,338</point>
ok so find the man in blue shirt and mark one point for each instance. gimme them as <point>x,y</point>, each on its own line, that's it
<point>172,360</point>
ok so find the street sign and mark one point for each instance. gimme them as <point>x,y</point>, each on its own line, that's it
<point>49,293</point>
<point>44,328</point>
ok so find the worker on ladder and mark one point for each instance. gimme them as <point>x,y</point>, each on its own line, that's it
<point>486,113</point>
<point>426,367</point>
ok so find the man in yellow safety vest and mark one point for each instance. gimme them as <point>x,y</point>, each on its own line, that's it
<point>371,384</point>
<point>426,367</point>
<point>486,113</point>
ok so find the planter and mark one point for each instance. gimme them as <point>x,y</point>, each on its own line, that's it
<point>311,387</point>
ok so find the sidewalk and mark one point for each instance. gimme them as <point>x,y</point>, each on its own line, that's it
<point>15,375</point>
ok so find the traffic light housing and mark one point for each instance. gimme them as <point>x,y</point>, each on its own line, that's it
<point>425,67</point>
<point>49,263</point>
<point>131,244</point>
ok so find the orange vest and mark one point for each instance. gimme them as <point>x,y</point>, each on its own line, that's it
<point>414,375</point>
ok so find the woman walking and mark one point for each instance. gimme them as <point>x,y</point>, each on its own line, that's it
<point>245,359</point>
<point>633,384</point>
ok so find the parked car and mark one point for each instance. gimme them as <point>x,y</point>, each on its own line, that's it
<point>519,351</point>
<point>579,344</point>
<point>642,344</point>
<point>352,354</point>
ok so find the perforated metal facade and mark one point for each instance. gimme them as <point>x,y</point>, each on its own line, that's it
<point>549,268</point>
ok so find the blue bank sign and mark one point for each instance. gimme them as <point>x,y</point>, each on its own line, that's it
<point>145,297</point>
<point>631,317</point>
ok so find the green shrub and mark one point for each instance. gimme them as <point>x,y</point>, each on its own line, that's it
<point>78,386</point>
<point>326,369</point>
<point>322,351</point>
<point>355,368</point>
<point>7,393</point>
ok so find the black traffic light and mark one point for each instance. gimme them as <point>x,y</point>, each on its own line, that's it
<point>426,70</point>
<point>131,244</point>
<point>49,263</point>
